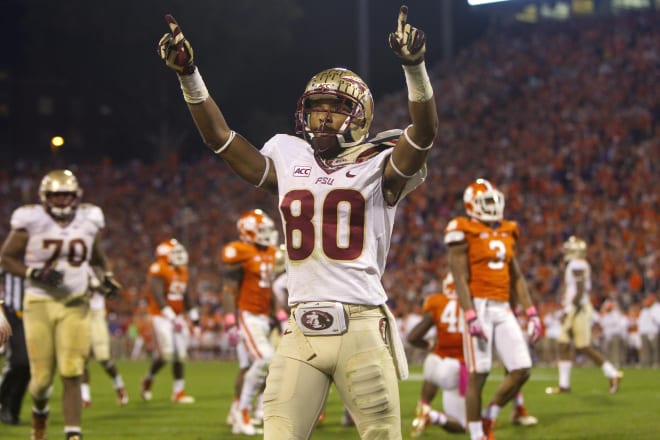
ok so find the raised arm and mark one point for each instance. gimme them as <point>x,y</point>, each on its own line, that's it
<point>237,151</point>
<point>409,45</point>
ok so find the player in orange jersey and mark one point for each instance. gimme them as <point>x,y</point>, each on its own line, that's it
<point>444,367</point>
<point>248,276</point>
<point>482,259</point>
<point>168,300</point>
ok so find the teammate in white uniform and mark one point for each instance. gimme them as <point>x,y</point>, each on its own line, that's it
<point>100,346</point>
<point>576,324</point>
<point>338,191</point>
<point>53,245</point>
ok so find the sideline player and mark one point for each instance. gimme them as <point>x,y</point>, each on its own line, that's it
<point>168,299</point>
<point>248,266</point>
<point>53,245</point>
<point>576,323</point>
<point>338,190</point>
<point>482,259</point>
<point>444,367</point>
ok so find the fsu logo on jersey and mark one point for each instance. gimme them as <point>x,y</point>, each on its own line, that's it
<point>317,320</point>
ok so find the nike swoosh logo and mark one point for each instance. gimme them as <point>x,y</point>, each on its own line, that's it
<point>349,174</point>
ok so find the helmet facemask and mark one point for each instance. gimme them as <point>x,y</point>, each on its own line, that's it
<point>350,99</point>
<point>574,247</point>
<point>174,252</point>
<point>483,201</point>
<point>258,228</point>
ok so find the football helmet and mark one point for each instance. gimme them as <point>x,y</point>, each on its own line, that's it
<point>257,227</point>
<point>173,252</point>
<point>60,182</point>
<point>574,247</point>
<point>354,102</point>
<point>483,201</point>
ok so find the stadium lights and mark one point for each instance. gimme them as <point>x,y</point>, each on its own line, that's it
<point>484,2</point>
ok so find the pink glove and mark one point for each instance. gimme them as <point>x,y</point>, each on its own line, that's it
<point>474,324</point>
<point>534,329</point>
<point>281,315</point>
<point>233,336</point>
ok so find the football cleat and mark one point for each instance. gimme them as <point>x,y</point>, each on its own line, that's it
<point>39,422</point>
<point>145,390</point>
<point>231,414</point>
<point>615,382</point>
<point>520,417</point>
<point>557,390</point>
<point>182,397</point>
<point>489,432</point>
<point>122,396</point>
<point>421,419</point>
<point>243,423</point>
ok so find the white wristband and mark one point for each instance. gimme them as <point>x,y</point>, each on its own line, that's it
<point>193,88</point>
<point>418,83</point>
<point>413,144</point>
<point>263,177</point>
<point>398,171</point>
<point>223,147</point>
<point>168,313</point>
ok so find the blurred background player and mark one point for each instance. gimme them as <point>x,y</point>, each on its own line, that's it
<point>649,330</point>
<point>53,245</point>
<point>482,259</point>
<point>248,271</point>
<point>16,371</point>
<point>169,299</point>
<point>576,323</point>
<point>100,346</point>
<point>444,367</point>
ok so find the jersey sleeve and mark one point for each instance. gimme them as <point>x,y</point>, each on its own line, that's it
<point>94,214</point>
<point>23,216</point>
<point>235,252</point>
<point>156,270</point>
<point>455,231</point>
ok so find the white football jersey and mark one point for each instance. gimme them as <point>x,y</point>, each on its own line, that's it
<point>573,265</point>
<point>337,224</point>
<point>70,246</point>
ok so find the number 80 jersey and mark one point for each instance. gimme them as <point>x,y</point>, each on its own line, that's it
<point>490,251</point>
<point>336,222</point>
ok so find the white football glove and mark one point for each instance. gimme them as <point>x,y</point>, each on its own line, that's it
<point>407,42</point>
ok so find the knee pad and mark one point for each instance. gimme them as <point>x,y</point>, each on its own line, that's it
<point>40,391</point>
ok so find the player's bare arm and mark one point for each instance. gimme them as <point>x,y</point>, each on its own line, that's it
<point>13,252</point>
<point>409,45</point>
<point>580,287</point>
<point>416,335</point>
<point>157,289</point>
<point>459,265</point>
<point>238,152</point>
<point>232,277</point>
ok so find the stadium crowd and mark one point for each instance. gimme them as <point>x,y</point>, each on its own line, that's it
<point>562,117</point>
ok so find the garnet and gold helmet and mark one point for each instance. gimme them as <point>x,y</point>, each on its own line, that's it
<point>355,103</point>
<point>58,183</point>
<point>483,201</point>
<point>257,227</point>
<point>574,247</point>
<point>173,252</point>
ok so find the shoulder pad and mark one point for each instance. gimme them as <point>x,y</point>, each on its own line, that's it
<point>237,251</point>
<point>25,215</point>
<point>93,213</point>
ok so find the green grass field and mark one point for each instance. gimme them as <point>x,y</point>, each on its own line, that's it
<point>589,412</point>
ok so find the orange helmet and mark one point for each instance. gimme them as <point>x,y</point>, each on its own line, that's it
<point>483,201</point>
<point>173,252</point>
<point>257,227</point>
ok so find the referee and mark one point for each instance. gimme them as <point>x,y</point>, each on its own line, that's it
<point>16,372</point>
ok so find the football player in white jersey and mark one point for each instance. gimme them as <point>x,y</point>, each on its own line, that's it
<point>53,245</point>
<point>576,323</point>
<point>338,191</point>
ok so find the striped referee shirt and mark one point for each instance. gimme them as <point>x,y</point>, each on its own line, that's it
<point>13,289</point>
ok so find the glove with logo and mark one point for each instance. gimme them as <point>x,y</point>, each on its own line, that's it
<point>46,275</point>
<point>110,287</point>
<point>534,329</point>
<point>474,325</point>
<point>175,50</point>
<point>407,42</point>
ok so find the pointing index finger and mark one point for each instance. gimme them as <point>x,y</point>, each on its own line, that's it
<point>177,34</point>
<point>403,18</point>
